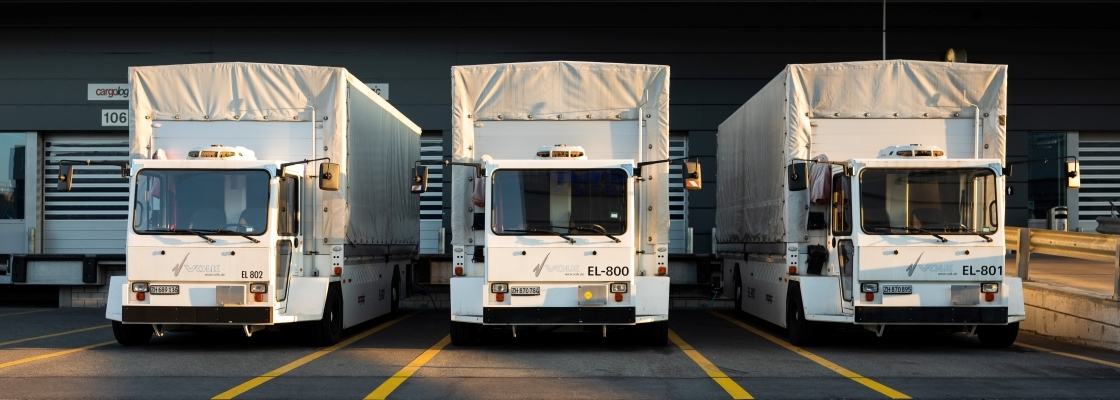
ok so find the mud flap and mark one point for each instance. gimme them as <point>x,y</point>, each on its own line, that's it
<point>114,303</point>
<point>1015,303</point>
<point>306,296</point>
<point>821,297</point>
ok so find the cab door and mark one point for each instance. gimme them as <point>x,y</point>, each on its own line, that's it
<point>842,250</point>
<point>290,240</point>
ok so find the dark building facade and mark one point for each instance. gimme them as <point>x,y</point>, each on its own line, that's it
<point>1062,58</point>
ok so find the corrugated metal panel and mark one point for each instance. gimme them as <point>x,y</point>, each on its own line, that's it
<point>91,217</point>
<point>431,202</point>
<point>678,197</point>
<point>1100,180</point>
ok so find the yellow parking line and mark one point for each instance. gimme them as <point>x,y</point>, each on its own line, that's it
<point>267,376</point>
<point>1070,355</point>
<point>23,312</point>
<point>53,335</point>
<point>55,354</point>
<point>732,388</point>
<point>398,378</point>
<point>876,386</point>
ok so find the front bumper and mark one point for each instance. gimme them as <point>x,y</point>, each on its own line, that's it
<point>931,315</point>
<point>196,315</point>
<point>558,315</point>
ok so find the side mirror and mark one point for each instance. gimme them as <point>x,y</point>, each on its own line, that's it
<point>1073,172</point>
<point>692,180</point>
<point>797,177</point>
<point>329,176</point>
<point>65,177</point>
<point>419,179</point>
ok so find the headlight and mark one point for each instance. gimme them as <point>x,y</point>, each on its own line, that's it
<point>869,288</point>
<point>139,286</point>
<point>619,287</point>
<point>258,288</point>
<point>499,287</point>
<point>989,287</point>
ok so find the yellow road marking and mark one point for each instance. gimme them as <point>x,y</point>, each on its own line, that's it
<point>55,354</point>
<point>876,386</point>
<point>1062,353</point>
<point>267,376</point>
<point>53,335</point>
<point>732,388</point>
<point>398,378</point>
<point>23,312</point>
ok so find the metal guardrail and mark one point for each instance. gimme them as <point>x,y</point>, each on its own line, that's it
<point>1085,246</point>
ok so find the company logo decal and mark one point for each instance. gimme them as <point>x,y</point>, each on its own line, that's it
<point>568,270</point>
<point>537,270</point>
<point>209,269</point>
<point>940,269</point>
<point>179,267</point>
<point>910,269</point>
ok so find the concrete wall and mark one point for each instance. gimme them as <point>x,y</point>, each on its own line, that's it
<point>1071,315</point>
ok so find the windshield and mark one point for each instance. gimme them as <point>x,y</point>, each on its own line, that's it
<point>566,201</point>
<point>213,201</point>
<point>919,201</point>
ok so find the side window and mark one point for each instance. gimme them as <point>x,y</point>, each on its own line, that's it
<point>841,205</point>
<point>289,206</point>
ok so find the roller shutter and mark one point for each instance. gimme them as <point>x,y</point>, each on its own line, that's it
<point>91,218</point>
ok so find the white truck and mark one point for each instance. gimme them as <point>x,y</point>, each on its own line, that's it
<point>870,193</point>
<point>262,195</point>
<point>559,197</point>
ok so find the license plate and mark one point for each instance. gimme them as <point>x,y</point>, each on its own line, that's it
<point>163,289</point>
<point>898,289</point>
<point>525,290</point>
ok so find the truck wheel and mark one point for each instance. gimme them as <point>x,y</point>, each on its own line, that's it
<point>328,331</point>
<point>464,334</point>
<point>657,333</point>
<point>797,327</point>
<point>738,293</point>
<point>131,335</point>
<point>998,336</point>
<point>395,293</point>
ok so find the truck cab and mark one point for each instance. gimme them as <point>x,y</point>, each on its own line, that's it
<point>914,238</point>
<point>556,244</point>
<point>216,240</point>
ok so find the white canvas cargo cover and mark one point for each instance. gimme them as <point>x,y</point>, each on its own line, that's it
<point>774,128</point>
<point>561,90</point>
<point>373,142</point>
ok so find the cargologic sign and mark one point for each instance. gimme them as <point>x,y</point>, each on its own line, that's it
<point>108,91</point>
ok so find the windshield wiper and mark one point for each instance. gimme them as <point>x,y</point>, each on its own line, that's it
<point>966,230</point>
<point>912,230</point>
<point>220,230</point>
<point>570,240</point>
<point>591,228</point>
<point>208,239</point>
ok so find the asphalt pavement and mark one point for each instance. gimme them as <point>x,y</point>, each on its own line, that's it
<point>70,353</point>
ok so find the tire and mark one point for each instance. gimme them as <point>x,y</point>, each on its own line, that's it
<point>656,333</point>
<point>738,293</point>
<point>328,330</point>
<point>998,336</point>
<point>465,334</point>
<point>395,293</point>
<point>132,335</point>
<point>798,329</point>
